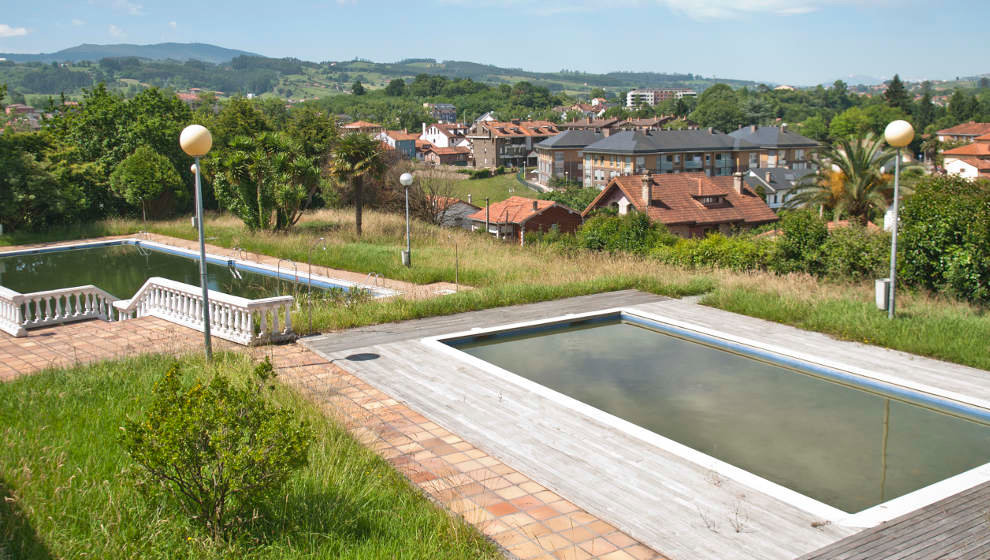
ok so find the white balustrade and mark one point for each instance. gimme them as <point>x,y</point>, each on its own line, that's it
<point>240,320</point>
<point>19,312</point>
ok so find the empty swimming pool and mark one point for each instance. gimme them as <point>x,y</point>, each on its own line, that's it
<point>824,434</point>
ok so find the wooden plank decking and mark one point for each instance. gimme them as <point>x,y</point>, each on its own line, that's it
<point>957,527</point>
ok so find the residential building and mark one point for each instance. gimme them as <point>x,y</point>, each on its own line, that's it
<point>782,148</point>
<point>508,144</point>
<point>602,126</point>
<point>458,155</point>
<point>453,212</point>
<point>443,112</point>
<point>689,204</point>
<point>487,117</point>
<point>652,97</point>
<point>512,218</point>
<point>586,109</point>
<point>775,183</point>
<point>966,132</point>
<point>446,135</point>
<point>971,160</point>
<point>362,127</point>
<point>651,123</point>
<point>402,141</point>
<point>666,151</point>
<point>19,109</point>
<point>562,156</point>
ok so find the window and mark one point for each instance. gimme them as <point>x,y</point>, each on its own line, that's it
<point>754,160</point>
<point>708,158</point>
<point>798,154</point>
<point>640,162</point>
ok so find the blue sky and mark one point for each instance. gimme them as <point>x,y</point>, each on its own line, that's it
<point>782,41</point>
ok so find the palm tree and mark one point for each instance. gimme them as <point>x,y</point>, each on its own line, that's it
<point>851,178</point>
<point>932,148</point>
<point>356,157</point>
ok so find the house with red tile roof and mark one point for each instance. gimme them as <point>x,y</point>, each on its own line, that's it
<point>971,160</point>
<point>516,215</point>
<point>689,204</point>
<point>459,155</point>
<point>446,135</point>
<point>451,212</point>
<point>363,127</point>
<point>508,144</point>
<point>401,141</point>
<point>966,132</point>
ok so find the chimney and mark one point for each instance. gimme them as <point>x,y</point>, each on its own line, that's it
<point>424,129</point>
<point>711,130</point>
<point>589,120</point>
<point>783,127</point>
<point>647,188</point>
<point>469,198</point>
<point>536,205</point>
<point>769,176</point>
<point>737,182</point>
<point>752,128</point>
<point>699,186</point>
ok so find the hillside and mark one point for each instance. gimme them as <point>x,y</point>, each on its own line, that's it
<point>160,51</point>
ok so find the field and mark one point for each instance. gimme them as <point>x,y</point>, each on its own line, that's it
<point>505,274</point>
<point>66,492</point>
<point>496,189</point>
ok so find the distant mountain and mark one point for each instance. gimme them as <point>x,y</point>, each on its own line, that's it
<point>161,51</point>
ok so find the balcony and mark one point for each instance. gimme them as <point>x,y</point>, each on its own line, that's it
<point>692,164</point>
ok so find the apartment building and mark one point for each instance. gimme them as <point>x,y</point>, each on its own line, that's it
<point>508,144</point>
<point>443,112</point>
<point>401,141</point>
<point>782,148</point>
<point>562,156</point>
<point>666,152</point>
<point>652,97</point>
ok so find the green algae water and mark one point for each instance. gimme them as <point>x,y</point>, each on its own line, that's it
<point>121,270</point>
<point>844,446</point>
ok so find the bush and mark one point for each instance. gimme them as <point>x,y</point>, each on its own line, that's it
<point>716,250</point>
<point>633,233</point>
<point>218,449</point>
<point>944,240</point>
<point>855,253</point>
<point>144,176</point>
<point>480,173</point>
<point>800,246</point>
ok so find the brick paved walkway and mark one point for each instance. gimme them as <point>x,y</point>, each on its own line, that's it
<point>526,519</point>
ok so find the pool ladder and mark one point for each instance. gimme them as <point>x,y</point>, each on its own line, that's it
<point>374,279</point>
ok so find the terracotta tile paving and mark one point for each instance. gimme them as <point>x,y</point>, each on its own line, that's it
<point>523,517</point>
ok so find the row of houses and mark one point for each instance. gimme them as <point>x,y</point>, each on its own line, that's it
<point>972,159</point>
<point>688,204</point>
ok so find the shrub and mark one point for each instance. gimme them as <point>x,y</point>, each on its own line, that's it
<point>799,248</point>
<point>716,250</point>
<point>944,240</point>
<point>633,233</point>
<point>572,196</point>
<point>855,253</point>
<point>144,176</point>
<point>219,450</point>
<point>480,173</point>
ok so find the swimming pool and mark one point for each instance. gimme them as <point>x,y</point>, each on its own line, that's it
<point>844,441</point>
<point>121,267</point>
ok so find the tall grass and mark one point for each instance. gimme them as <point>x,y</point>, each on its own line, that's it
<point>503,273</point>
<point>66,489</point>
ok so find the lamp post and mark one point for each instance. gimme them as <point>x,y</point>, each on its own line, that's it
<point>898,134</point>
<point>406,179</point>
<point>196,141</point>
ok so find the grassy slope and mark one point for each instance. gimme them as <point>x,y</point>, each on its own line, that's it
<point>65,491</point>
<point>496,188</point>
<point>505,274</point>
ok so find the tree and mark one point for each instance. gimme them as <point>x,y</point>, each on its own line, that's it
<point>395,88</point>
<point>718,107</point>
<point>266,180</point>
<point>850,178</point>
<point>3,94</point>
<point>597,92</point>
<point>961,106</point>
<point>931,147</point>
<point>357,88</point>
<point>144,175</point>
<point>815,127</point>
<point>896,94</point>
<point>925,114</point>
<point>357,157</point>
<point>238,117</point>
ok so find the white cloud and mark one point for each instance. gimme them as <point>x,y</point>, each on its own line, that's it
<point>116,31</point>
<point>8,31</point>
<point>78,22</point>
<point>173,25</point>
<point>132,8</point>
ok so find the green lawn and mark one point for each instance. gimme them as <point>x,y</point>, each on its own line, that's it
<point>496,189</point>
<point>65,490</point>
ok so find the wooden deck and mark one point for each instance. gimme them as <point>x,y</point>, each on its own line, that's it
<point>957,527</point>
<point>667,502</point>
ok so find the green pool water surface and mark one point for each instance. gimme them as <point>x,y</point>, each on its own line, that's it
<point>123,269</point>
<point>844,446</point>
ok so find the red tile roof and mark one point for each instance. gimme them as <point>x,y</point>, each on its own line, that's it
<point>515,210</point>
<point>523,128</point>
<point>401,135</point>
<point>967,129</point>
<point>978,148</point>
<point>979,164</point>
<point>362,124</point>
<point>675,199</point>
<point>444,202</point>
<point>448,151</point>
